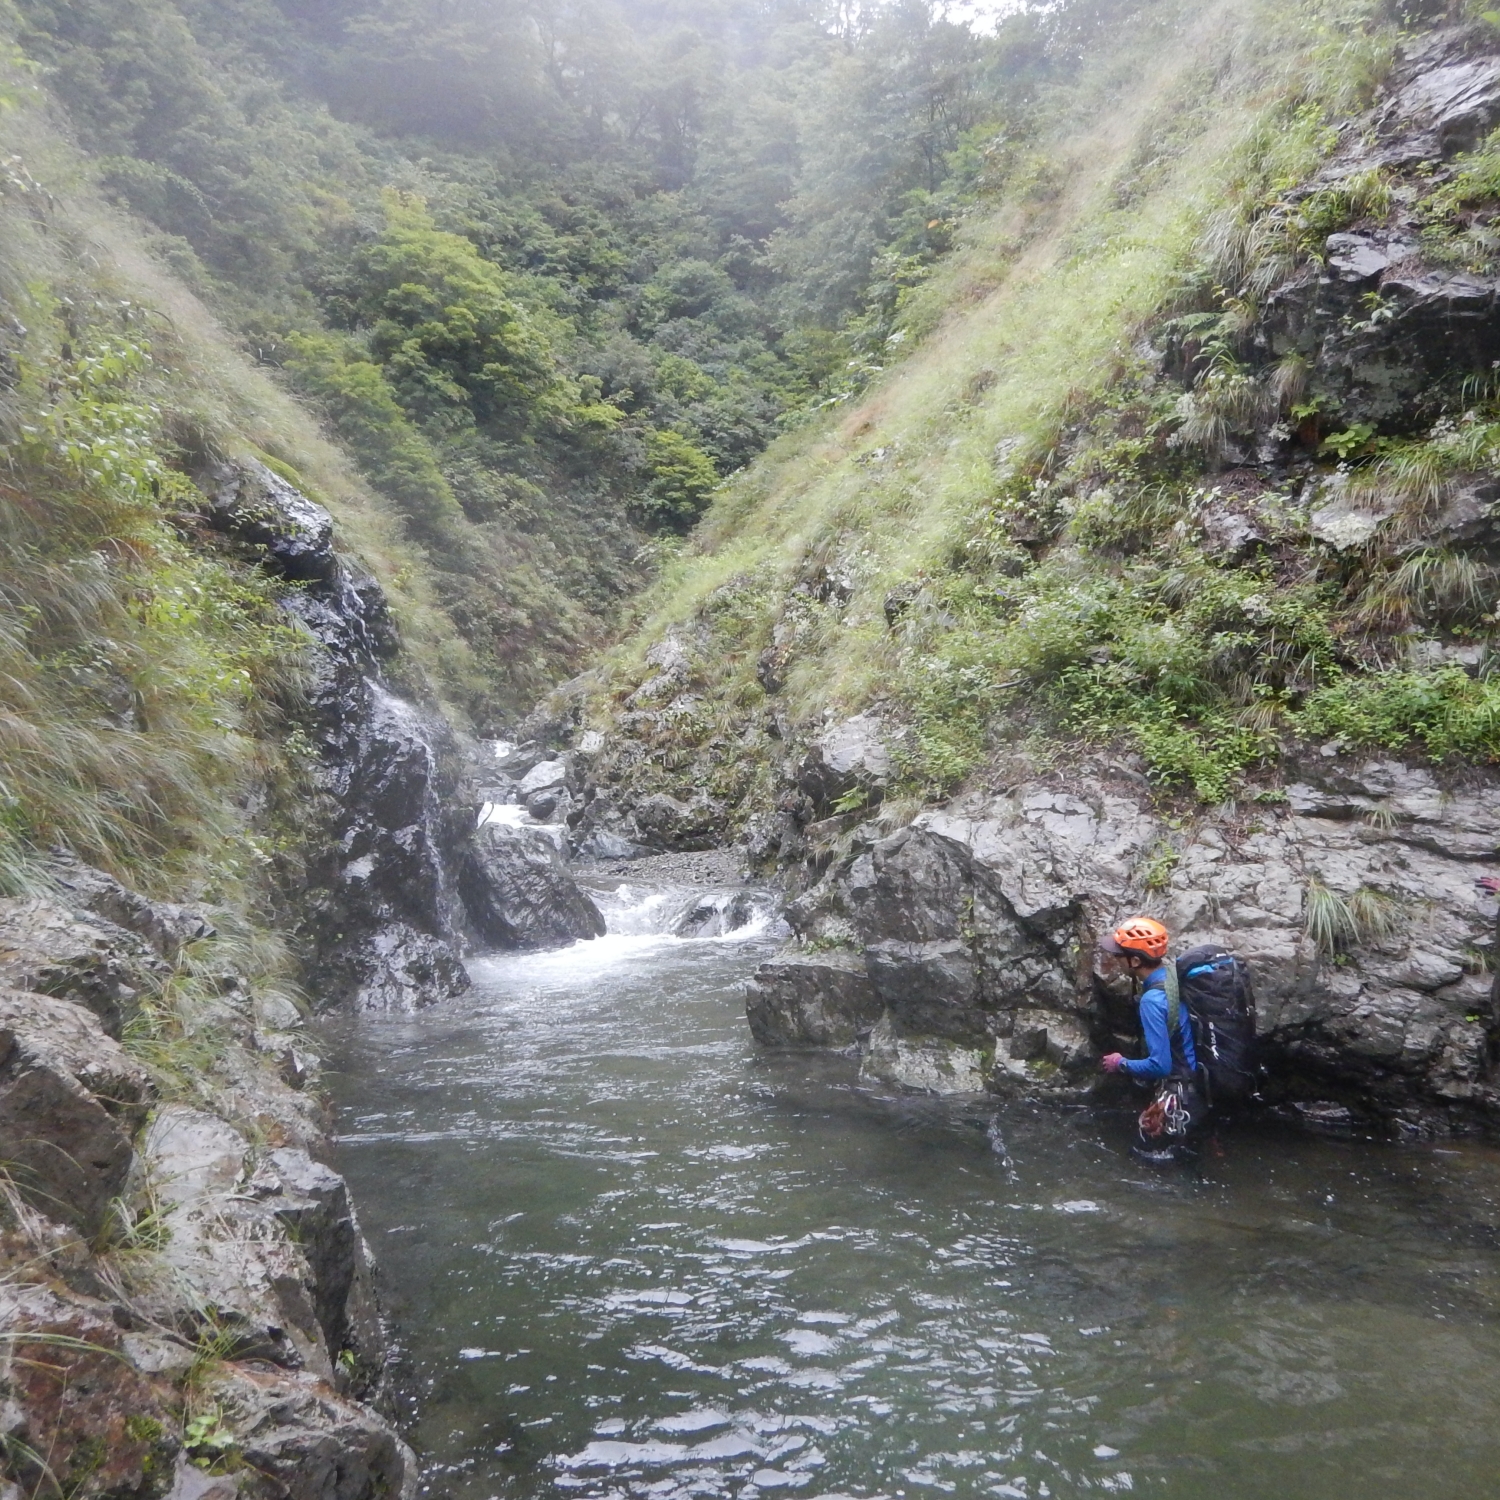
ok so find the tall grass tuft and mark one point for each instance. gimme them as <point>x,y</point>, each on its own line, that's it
<point>1335,923</point>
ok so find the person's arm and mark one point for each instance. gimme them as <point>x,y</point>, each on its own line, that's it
<point>1158,1061</point>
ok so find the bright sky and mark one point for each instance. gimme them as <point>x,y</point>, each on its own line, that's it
<point>980,14</point>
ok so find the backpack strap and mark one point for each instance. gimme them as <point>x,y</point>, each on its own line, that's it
<point>1174,1001</point>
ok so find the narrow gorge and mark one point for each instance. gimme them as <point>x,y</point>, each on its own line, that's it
<point>600,607</point>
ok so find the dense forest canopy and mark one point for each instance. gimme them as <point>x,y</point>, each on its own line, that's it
<point>554,269</point>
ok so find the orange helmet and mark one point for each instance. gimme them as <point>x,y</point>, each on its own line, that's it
<point>1141,935</point>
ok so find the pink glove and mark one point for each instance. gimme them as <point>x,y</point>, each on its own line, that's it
<point>1112,1062</point>
<point>1490,883</point>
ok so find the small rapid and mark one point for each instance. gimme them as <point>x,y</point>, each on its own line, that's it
<point>629,1255</point>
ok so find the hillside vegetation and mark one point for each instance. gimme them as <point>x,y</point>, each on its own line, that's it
<point>1098,502</point>
<point>551,271</point>
<point>546,277</point>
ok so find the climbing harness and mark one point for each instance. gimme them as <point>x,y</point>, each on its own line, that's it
<point>1167,1114</point>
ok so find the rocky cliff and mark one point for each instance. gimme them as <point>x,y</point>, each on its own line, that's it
<point>396,879</point>
<point>187,1298</point>
<point>188,1303</point>
<point>1206,649</point>
<point>956,951</point>
<point>379,917</point>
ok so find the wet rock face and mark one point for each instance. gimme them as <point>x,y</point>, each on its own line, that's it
<point>71,1101</point>
<point>383,916</point>
<point>975,926</point>
<point>818,1001</point>
<point>252,503</point>
<point>519,893</point>
<point>380,923</point>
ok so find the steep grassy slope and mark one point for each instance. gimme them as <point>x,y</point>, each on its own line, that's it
<point>550,272</point>
<point>151,690</point>
<point>1013,545</point>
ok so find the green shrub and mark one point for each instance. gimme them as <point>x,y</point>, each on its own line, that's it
<point>1445,712</point>
<point>681,481</point>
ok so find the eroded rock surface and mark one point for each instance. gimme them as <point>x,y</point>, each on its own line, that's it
<point>975,924</point>
<point>167,926</point>
<point>74,955</point>
<point>71,1101</point>
<point>134,1249</point>
<point>302,1441</point>
<point>79,1415</point>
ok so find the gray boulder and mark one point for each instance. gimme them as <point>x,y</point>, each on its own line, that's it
<point>301,1441</point>
<point>663,822</point>
<point>167,926</point>
<point>520,759</point>
<point>850,757</point>
<point>822,1001</point>
<point>519,893</point>
<point>231,1264</point>
<point>74,955</point>
<point>71,1101</point>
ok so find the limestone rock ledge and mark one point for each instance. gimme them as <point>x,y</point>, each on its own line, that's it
<point>187,1306</point>
<point>963,940</point>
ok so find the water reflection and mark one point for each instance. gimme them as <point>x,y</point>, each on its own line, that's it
<point>631,1257</point>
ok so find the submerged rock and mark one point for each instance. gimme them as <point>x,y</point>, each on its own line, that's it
<point>519,893</point>
<point>931,1065</point>
<point>715,914</point>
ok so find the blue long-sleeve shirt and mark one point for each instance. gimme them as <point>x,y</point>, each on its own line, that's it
<point>1153,1011</point>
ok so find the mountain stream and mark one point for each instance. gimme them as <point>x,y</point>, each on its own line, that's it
<point>628,1255</point>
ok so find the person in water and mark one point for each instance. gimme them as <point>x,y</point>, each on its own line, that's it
<point>1138,948</point>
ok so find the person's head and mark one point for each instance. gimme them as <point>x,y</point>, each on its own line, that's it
<point>1135,947</point>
